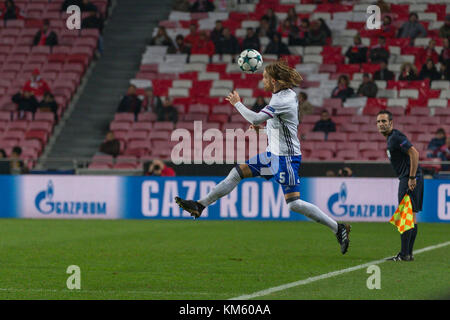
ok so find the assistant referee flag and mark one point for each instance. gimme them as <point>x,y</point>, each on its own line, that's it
<point>403,217</point>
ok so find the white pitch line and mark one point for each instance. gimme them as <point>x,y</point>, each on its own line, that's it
<point>327,275</point>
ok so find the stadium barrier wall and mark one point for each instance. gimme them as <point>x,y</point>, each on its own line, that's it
<point>113,197</point>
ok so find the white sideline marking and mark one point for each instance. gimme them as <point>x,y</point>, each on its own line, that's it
<point>326,275</point>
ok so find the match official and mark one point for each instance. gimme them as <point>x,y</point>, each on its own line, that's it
<point>405,161</point>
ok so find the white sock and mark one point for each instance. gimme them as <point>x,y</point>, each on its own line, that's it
<point>313,212</point>
<point>223,188</point>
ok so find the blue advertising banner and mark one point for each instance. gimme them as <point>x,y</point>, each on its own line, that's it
<point>111,197</point>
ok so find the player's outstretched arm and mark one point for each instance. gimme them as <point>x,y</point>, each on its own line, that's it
<point>252,117</point>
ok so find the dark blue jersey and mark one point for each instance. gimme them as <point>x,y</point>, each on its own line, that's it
<point>397,151</point>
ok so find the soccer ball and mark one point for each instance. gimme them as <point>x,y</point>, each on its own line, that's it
<point>250,60</point>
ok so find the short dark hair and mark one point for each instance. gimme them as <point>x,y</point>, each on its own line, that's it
<point>304,95</point>
<point>386,112</point>
<point>3,153</point>
<point>413,14</point>
<point>440,130</point>
<point>17,150</point>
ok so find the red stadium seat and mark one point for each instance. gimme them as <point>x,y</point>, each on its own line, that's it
<point>100,165</point>
<point>146,117</point>
<point>322,155</point>
<point>347,155</point>
<point>325,145</point>
<point>37,134</point>
<point>119,125</point>
<point>315,136</point>
<point>337,136</point>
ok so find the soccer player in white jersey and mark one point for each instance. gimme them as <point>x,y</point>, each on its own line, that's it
<point>283,156</point>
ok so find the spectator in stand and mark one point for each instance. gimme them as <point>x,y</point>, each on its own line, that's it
<point>48,104</point>
<point>317,36</point>
<point>36,84</point>
<point>110,146</point>
<point>92,21</point>
<point>272,19</point>
<point>26,102</point>
<point>429,52</point>
<point>259,104</point>
<point>301,37</point>
<point>276,46</point>
<point>444,57</point>
<point>342,91</point>
<point>4,163</point>
<point>304,106</point>
<point>204,46</point>
<point>324,27</point>
<point>384,73</point>
<point>293,17</point>
<point>45,37</point>
<point>228,43</point>
<point>158,168</point>
<point>345,172</point>
<point>358,52</point>
<point>88,6</point>
<point>412,28</point>
<point>179,46</point>
<point>379,51</point>
<point>368,88</point>
<point>444,72</point>
<point>387,29</point>
<point>384,7</point>
<point>203,6</point>
<point>444,31</point>
<point>167,112</point>
<point>408,72</point>
<point>264,29</point>
<point>429,71</point>
<point>151,103</point>
<point>444,154</point>
<point>9,11</point>
<point>17,165</point>
<point>325,124</point>
<point>130,102</point>
<point>436,143</point>
<point>286,29</point>
<point>330,173</point>
<point>161,38</point>
<point>181,5</point>
<point>192,37</point>
<point>251,40</point>
<point>217,32</point>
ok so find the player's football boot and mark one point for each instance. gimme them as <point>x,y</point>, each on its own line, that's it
<point>342,236</point>
<point>399,257</point>
<point>193,207</point>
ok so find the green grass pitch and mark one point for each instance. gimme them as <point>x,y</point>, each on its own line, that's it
<point>185,259</point>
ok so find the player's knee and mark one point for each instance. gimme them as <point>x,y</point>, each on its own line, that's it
<point>291,197</point>
<point>244,171</point>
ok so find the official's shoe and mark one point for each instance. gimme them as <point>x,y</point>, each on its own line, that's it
<point>342,236</point>
<point>399,257</point>
<point>193,207</point>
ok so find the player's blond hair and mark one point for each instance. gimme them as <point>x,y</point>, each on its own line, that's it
<point>286,76</point>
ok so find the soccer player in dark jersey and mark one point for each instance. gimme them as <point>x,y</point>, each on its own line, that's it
<point>405,161</point>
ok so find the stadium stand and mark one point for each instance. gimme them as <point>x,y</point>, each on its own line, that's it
<point>197,83</point>
<point>62,66</point>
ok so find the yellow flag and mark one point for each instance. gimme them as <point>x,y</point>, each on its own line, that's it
<point>403,217</point>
